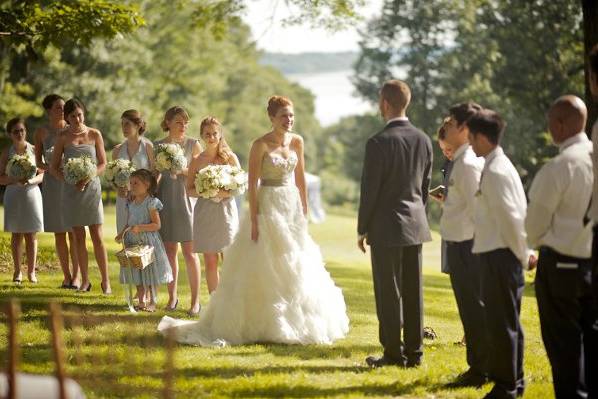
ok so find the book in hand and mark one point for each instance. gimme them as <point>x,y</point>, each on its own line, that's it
<point>437,191</point>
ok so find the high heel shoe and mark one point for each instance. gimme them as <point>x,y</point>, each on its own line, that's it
<point>17,277</point>
<point>173,307</point>
<point>32,278</point>
<point>191,313</point>
<point>85,289</point>
<point>106,291</point>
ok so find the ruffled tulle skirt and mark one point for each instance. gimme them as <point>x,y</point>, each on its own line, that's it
<point>274,290</point>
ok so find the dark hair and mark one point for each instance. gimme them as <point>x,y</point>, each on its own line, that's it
<point>134,116</point>
<point>593,61</point>
<point>277,102</point>
<point>49,100</point>
<point>148,177</point>
<point>462,112</point>
<point>442,128</point>
<point>488,123</point>
<point>72,105</point>
<point>171,113</point>
<point>397,93</point>
<point>13,122</point>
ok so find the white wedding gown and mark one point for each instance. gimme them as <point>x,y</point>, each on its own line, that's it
<point>274,290</point>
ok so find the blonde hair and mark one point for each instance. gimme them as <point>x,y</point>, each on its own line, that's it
<point>171,113</point>
<point>277,102</point>
<point>224,151</point>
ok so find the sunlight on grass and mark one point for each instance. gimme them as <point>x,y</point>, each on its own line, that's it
<point>258,370</point>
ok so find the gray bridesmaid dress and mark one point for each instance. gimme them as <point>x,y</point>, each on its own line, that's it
<point>215,224</point>
<point>23,209</point>
<point>140,161</point>
<point>52,190</point>
<point>177,214</point>
<point>82,208</point>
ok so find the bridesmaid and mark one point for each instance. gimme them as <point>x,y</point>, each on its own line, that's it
<point>22,202</point>
<point>135,148</point>
<point>83,202</point>
<point>214,223</point>
<point>177,214</point>
<point>45,137</point>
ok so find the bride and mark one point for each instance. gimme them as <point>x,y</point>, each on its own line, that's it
<point>274,287</point>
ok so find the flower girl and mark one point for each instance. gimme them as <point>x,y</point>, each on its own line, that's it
<point>143,223</point>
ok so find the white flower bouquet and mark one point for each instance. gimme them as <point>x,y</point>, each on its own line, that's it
<point>213,178</point>
<point>170,158</point>
<point>79,169</point>
<point>21,167</point>
<point>118,172</point>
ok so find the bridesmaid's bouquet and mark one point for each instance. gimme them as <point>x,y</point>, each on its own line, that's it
<point>170,158</point>
<point>118,172</point>
<point>213,178</point>
<point>79,169</point>
<point>21,167</point>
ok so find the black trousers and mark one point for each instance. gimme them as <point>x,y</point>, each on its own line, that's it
<point>567,316</point>
<point>466,279</point>
<point>502,289</point>
<point>595,262</point>
<point>397,274</point>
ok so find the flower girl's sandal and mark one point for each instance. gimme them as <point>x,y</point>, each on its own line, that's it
<point>17,277</point>
<point>32,278</point>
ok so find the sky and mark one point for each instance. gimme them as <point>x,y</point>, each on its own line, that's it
<point>264,17</point>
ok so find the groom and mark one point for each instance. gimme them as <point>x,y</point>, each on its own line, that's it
<point>392,220</point>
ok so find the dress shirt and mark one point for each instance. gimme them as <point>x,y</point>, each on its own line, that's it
<point>559,199</point>
<point>593,214</point>
<point>500,209</point>
<point>398,118</point>
<point>456,222</point>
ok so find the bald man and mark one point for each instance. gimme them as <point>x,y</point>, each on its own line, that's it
<point>559,198</point>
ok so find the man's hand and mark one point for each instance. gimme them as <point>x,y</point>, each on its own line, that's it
<point>532,262</point>
<point>362,242</point>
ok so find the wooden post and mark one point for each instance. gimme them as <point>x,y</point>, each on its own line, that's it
<point>14,312</point>
<point>169,365</point>
<point>58,346</point>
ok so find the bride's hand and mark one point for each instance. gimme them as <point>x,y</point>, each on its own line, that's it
<point>254,232</point>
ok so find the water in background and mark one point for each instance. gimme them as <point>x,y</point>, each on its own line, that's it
<point>335,95</point>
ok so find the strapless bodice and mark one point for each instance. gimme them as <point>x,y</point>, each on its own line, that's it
<point>277,170</point>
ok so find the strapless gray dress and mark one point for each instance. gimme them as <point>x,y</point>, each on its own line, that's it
<point>23,209</point>
<point>177,214</point>
<point>82,208</point>
<point>52,190</point>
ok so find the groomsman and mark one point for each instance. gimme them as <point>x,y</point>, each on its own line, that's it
<point>392,220</point>
<point>457,228</point>
<point>559,196</point>
<point>500,240</point>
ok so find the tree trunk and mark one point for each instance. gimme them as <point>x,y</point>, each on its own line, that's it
<point>590,29</point>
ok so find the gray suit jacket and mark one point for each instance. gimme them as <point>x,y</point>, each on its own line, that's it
<point>394,186</point>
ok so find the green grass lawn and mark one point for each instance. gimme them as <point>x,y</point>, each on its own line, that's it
<point>258,370</point>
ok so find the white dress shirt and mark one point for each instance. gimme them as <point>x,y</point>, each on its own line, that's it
<point>398,118</point>
<point>559,199</point>
<point>456,222</point>
<point>593,214</point>
<point>500,208</point>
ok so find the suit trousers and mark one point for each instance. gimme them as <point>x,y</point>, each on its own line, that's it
<point>502,289</point>
<point>567,317</point>
<point>397,274</point>
<point>466,279</point>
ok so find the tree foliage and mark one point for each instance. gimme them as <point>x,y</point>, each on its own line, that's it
<point>515,57</point>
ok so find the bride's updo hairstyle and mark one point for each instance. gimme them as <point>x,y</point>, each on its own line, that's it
<point>171,113</point>
<point>277,102</point>
<point>224,151</point>
<point>135,116</point>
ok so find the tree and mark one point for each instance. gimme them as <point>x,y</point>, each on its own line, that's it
<point>28,28</point>
<point>486,51</point>
<point>590,28</point>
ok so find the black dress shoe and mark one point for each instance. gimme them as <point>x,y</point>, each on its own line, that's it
<point>412,363</point>
<point>469,378</point>
<point>376,362</point>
